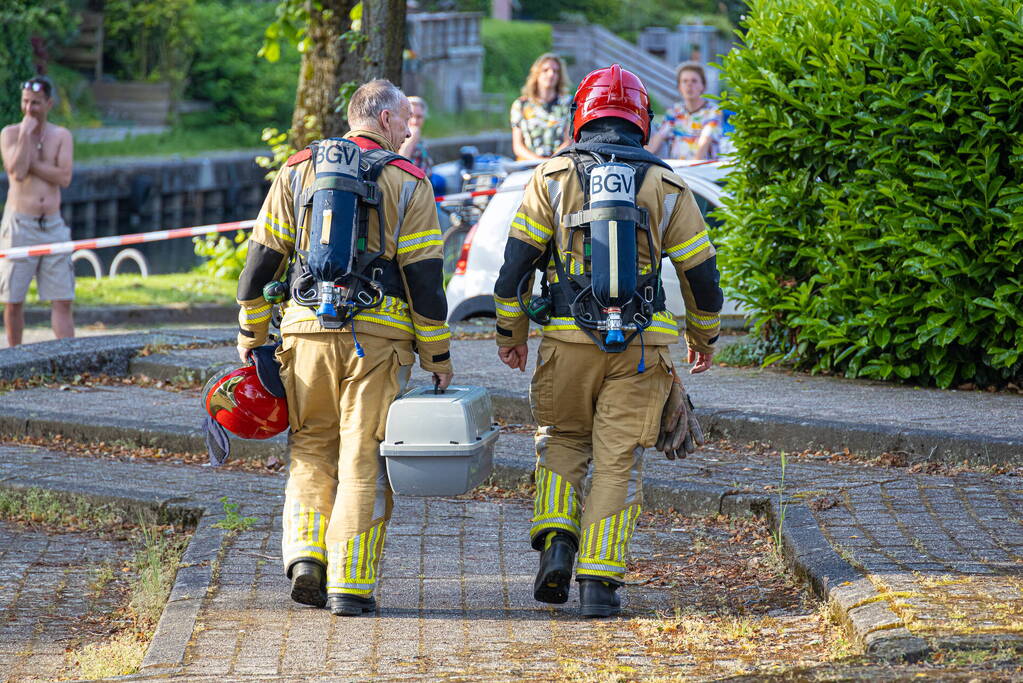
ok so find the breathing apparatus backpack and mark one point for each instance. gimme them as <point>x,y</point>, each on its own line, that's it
<point>610,300</point>
<point>336,276</point>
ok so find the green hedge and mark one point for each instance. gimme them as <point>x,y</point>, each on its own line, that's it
<point>509,50</point>
<point>20,21</point>
<point>877,216</point>
<point>243,87</point>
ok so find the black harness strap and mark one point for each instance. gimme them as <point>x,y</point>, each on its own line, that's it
<point>570,292</point>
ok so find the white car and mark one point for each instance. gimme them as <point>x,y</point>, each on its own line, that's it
<point>478,252</point>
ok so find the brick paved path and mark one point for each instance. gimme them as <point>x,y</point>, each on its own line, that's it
<point>47,598</point>
<point>455,601</point>
<point>456,592</point>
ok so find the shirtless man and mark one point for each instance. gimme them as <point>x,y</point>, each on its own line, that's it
<point>37,159</point>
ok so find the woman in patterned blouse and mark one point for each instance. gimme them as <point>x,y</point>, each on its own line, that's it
<point>692,127</point>
<point>540,118</point>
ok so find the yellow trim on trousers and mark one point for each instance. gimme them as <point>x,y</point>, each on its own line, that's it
<point>604,545</point>
<point>354,564</point>
<point>556,505</point>
<point>304,533</point>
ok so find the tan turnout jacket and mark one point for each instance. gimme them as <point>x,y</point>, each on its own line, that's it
<point>679,233</point>
<point>413,240</point>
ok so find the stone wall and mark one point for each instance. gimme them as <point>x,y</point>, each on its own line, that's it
<point>125,196</point>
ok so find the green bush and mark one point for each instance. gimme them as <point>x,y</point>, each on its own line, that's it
<point>151,40</point>
<point>20,22</point>
<point>226,71</point>
<point>509,50</point>
<point>877,206</point>
<point>225,258</point>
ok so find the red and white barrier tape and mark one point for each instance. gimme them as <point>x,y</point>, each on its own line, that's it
<point>120,240</point>
<point>442,198</point>
<point>160,235</point>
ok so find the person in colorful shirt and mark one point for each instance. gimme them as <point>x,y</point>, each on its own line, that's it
<point>692,127</point>
<point>539,119</point>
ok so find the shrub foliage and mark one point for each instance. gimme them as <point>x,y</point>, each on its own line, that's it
<point>877,209</point>
<point>509,48</point>
<point>242,86</point>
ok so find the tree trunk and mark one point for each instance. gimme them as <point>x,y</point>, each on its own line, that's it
<point>383,24</point>
<point>326,66</point>
<point>331,69</point>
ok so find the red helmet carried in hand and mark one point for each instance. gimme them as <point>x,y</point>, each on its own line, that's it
<point>611,91</point>
<point>240,403</point>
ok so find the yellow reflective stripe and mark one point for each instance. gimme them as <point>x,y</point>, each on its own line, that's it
<point>537,231</point>
<point>413,236</point>
<point>258,315</point>
<point>704,322</point>
<point>691,246</point>
<point>303,534</point>
<point>561,324</point>
<point>402,323</point>
<point>664,322</point>
<point>279,228</point>
<point>575,267</point>
<point>509,309</point>
<point>421,245</point>
<point>433,333</point>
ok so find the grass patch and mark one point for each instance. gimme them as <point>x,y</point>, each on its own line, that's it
<point>118,657</point>
<point>150,575</point>
<point>157,556</point>
<point>155,290</point>
<point>156,565</point>
<point>41,507</point>
<point>233,520</point>
<point>181,140</point>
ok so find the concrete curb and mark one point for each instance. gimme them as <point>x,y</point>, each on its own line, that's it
<point>166,651</point>
<point>873,624</point>
<point>782,432</point>
<point>109,354</point>
<point>25,422</point>
<point>792,434</point>
<point>808,553</point>
<point>180,314</point>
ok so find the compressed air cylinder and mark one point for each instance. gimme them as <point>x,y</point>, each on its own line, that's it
<point>613,243</point>
<point>332,231</point>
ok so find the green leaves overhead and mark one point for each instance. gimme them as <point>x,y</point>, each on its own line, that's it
<point>876,222</point>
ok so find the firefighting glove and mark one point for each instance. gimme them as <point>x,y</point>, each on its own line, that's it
<point>680,430</point>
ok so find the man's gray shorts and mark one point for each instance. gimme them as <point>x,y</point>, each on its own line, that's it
<point>54,273</point>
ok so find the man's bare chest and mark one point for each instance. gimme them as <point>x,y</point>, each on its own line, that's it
<point>46,147</point>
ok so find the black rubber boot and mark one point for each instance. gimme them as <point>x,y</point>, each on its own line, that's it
<point>555,573</point>
<point>345,605</point>
<point>599,598</point>
<point>308,583</point>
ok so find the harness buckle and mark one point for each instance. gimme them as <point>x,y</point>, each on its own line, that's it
<point>372,195</point>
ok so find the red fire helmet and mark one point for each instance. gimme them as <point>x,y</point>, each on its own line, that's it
<point>239,402</point>
<point>612,91</point>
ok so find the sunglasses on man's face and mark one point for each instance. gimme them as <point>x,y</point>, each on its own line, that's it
<point>36,86</point>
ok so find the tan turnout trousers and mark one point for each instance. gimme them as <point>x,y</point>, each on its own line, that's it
<point>337,409</point>
<point>606,412</point>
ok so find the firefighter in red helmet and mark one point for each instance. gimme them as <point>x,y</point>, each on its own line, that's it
<point>596,220</point>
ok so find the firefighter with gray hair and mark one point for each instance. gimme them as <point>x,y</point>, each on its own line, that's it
<point>596,220</point>
<point>347,242</point>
